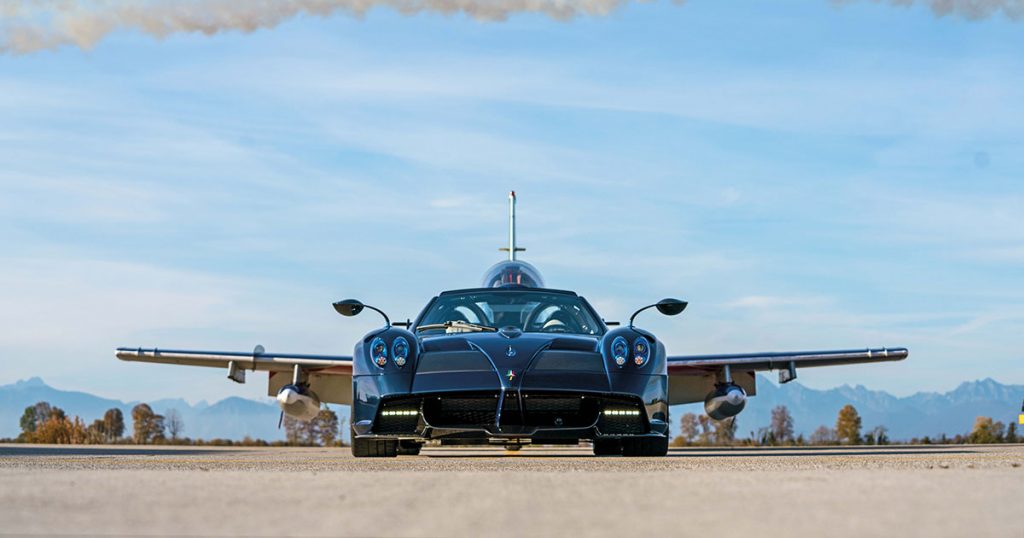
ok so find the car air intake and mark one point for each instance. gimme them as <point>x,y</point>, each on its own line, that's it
<point>472,411</point>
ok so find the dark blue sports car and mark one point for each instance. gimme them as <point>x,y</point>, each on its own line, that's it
<point>510,363</point>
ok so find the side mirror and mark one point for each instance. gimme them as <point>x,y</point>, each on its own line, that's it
<point>669,307</point>
<point>349,307</point>
<point>352,307</point>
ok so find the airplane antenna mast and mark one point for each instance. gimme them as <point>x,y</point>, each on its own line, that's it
<point>512,248</point>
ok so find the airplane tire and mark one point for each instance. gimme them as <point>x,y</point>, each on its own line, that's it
<point>607,447</point>
<point>374,448</point>
<point>644,446</point>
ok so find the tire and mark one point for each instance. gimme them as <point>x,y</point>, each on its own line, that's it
<point>645,446</point>
<point>409,448</point>
<point>374,448</point>
<point>607,447</point>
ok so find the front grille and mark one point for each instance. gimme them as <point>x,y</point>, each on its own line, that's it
<point>461,411</point>
<point>535,410</point>
<point>559,411</point>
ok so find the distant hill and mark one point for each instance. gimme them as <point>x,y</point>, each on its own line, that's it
<point>230,418</point>
<point>924,413</point>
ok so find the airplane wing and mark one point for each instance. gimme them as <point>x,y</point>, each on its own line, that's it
<point>691,376</point>
<point>686,364</point>
<point>257,360</point>
<point>330,376</point>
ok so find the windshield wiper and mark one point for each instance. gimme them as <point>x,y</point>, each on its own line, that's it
<point>465,325</point>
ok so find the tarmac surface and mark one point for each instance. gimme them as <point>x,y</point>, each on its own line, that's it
<point>971,491</point>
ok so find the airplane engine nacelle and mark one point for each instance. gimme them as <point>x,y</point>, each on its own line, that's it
<point>727,400</point>
<point>298,403</point>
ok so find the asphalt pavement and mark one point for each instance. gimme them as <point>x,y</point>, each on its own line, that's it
<point>958,491</point>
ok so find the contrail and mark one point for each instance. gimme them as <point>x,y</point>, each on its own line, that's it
<point>973,10</point>
<point>33,25</point>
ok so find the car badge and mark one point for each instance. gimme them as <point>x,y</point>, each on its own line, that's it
<point>510,375</point>
<point>510,352</point>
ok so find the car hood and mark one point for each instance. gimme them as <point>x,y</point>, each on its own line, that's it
<point>510,348</point>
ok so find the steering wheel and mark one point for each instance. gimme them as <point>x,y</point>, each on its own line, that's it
<point>554,325</point>
<point>558,315</point>
<point>472,307</point>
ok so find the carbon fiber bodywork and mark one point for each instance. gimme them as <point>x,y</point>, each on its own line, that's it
<point>487,387</point>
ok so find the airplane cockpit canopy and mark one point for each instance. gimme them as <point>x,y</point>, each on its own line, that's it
<point>513,274</point>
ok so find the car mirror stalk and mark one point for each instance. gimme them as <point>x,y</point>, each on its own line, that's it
<point>352,307</point>
<point>667,306</point>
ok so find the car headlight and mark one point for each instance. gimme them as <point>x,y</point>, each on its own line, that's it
<point>379,352</point>
<point>620,350</point>
<point>641,351</point>
<point>400,351</point>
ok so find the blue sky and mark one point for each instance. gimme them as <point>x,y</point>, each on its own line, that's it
<point>807,175</point>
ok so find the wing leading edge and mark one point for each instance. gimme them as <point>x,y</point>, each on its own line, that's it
<point>257,360</point>
<point>328,376</point>
<point>691,364</point>
<point>693,377</point>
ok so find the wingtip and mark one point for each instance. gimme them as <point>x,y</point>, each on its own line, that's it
<point>900,352</point>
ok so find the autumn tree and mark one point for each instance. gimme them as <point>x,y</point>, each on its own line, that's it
<point>175,425</point>
<point>823,436</point>
<point>725,431</point>
<point>324,429</point>
<point>705,430</point>
<point>689,427</point>
<point>292,430</point>
<point>148,427</point>
<point>33,416</point>
<point>96,433</point>
<point>59,429</point>
<point>327,429</point>
<point>113,425</point>
<point>848,426</point>
<point>986,431</point>
<point>781,429</point>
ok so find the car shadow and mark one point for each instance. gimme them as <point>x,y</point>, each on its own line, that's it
<point>710,452</point>
<point>806,451</point>
<point>85,450</point>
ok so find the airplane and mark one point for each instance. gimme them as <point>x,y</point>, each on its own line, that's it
<point>510,363</point>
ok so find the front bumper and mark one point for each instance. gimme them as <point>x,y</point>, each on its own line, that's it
<point>511,415</point>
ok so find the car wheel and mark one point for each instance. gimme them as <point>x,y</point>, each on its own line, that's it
<point>645,446</point>
<point>374,448</point>
<point>607,447</point>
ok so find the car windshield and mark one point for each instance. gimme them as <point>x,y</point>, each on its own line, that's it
<point>529,311</point>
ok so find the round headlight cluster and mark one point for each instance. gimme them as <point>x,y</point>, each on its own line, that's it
<point>400,351</point>
<point>641,351</point>
<point>620,350</point>
<point>379,352</point>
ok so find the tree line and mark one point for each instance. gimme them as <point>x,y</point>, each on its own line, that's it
<point>701,430</point>
<point>49,424</point>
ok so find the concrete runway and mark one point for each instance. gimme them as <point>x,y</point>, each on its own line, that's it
<point>867,491</point>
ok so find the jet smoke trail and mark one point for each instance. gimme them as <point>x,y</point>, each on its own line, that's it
<point>32,25</point>
<point>973,10</point>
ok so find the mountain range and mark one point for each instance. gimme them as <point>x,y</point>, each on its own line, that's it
<point>230,418</point>
<point>917,415</point>
<point>924,413</point>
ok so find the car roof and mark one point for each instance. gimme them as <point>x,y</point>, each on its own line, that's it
<point>506,290</point>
